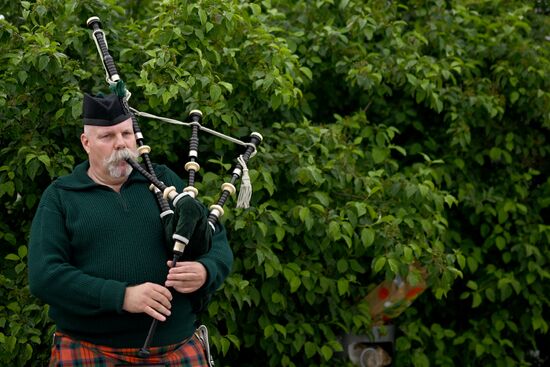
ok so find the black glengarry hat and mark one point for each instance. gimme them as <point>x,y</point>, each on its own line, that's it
<point>103,110</point>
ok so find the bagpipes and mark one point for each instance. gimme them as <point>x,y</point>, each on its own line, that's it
<point>185,224</point>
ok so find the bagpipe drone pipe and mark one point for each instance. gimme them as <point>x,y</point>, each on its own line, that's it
<point>181,213</point>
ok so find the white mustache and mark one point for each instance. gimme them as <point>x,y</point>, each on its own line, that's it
<point>121,155</point>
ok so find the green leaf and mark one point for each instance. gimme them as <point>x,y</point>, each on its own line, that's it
<point>276,297</point>
<point>12,257</point>
<point>450,200</point>
<point>323,198</point>
<point>500,242</point>
<point>76,110</point>
<point>490,294</point>
<point>379,264</point>
<point>420,359</point>
<point>202,16</point>
<point>269,271</point>
<point>19,268</point>
<point>44,159</point>
<point>334,230</point>
<point>22,251</point>
<point>215,92</point>
<point>22,75</point>
<point>10,343</point>
<point>379,154</point>
<point>394,266</point>
<point>476,301</point>
<point>280,233</point>
<point>41,10</point>
<point>461,261</point>
<point>367,236</point>
<point>326,352</point>
<point>438,105</point>
<point>227,86</point>
<point>472,263</point>
<point>295,283</point>
<point>43,62</point>
<point>343,4</point>
<point>275,101</point>
<point>225,344</point>
<point>343,286</point>
<point>495,153</point>
<point>412,79</point>
<point>307,72</point>
<point>342,266</point>
<point>7,188</point>
<point>304,213</point>
<point>256,9</point>
<point>480,349</point>
<point>407,254</point>
<point>268,331</point>
<point>310,349</point>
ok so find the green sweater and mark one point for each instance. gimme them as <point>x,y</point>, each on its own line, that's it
<point>88,243</point>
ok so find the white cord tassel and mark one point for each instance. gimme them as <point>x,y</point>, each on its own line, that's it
<point>245,192</point>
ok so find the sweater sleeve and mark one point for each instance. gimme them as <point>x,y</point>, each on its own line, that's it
<point>52,276</point>
<point>218,261</point>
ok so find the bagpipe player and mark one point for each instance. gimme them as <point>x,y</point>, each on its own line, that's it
<point>100,257</point>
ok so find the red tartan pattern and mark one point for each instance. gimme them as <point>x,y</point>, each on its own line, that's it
<point>69,352</point>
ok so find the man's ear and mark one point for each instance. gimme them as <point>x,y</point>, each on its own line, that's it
<point>85,142</point>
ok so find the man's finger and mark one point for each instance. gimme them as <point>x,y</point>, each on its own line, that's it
<point>154,313</point>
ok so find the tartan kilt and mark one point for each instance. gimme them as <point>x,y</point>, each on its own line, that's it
<point>69,352</point>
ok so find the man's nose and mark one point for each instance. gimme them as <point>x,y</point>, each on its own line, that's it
<point>120,143</point>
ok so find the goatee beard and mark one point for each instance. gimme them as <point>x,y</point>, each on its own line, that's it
<point>113,163</point>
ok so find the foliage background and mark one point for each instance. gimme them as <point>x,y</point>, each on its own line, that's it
<point>396,132</point>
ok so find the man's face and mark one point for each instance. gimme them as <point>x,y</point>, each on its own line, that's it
<point>107,147</point>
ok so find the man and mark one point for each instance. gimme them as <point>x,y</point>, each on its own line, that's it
<point>98,256</point>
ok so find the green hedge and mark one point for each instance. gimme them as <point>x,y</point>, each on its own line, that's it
<point>395,133</point>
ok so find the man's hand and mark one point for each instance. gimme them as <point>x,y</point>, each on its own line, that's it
<point>151,298</point>
<point>186,276</point>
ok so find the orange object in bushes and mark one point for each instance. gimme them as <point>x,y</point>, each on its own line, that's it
<point>391,297</point>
